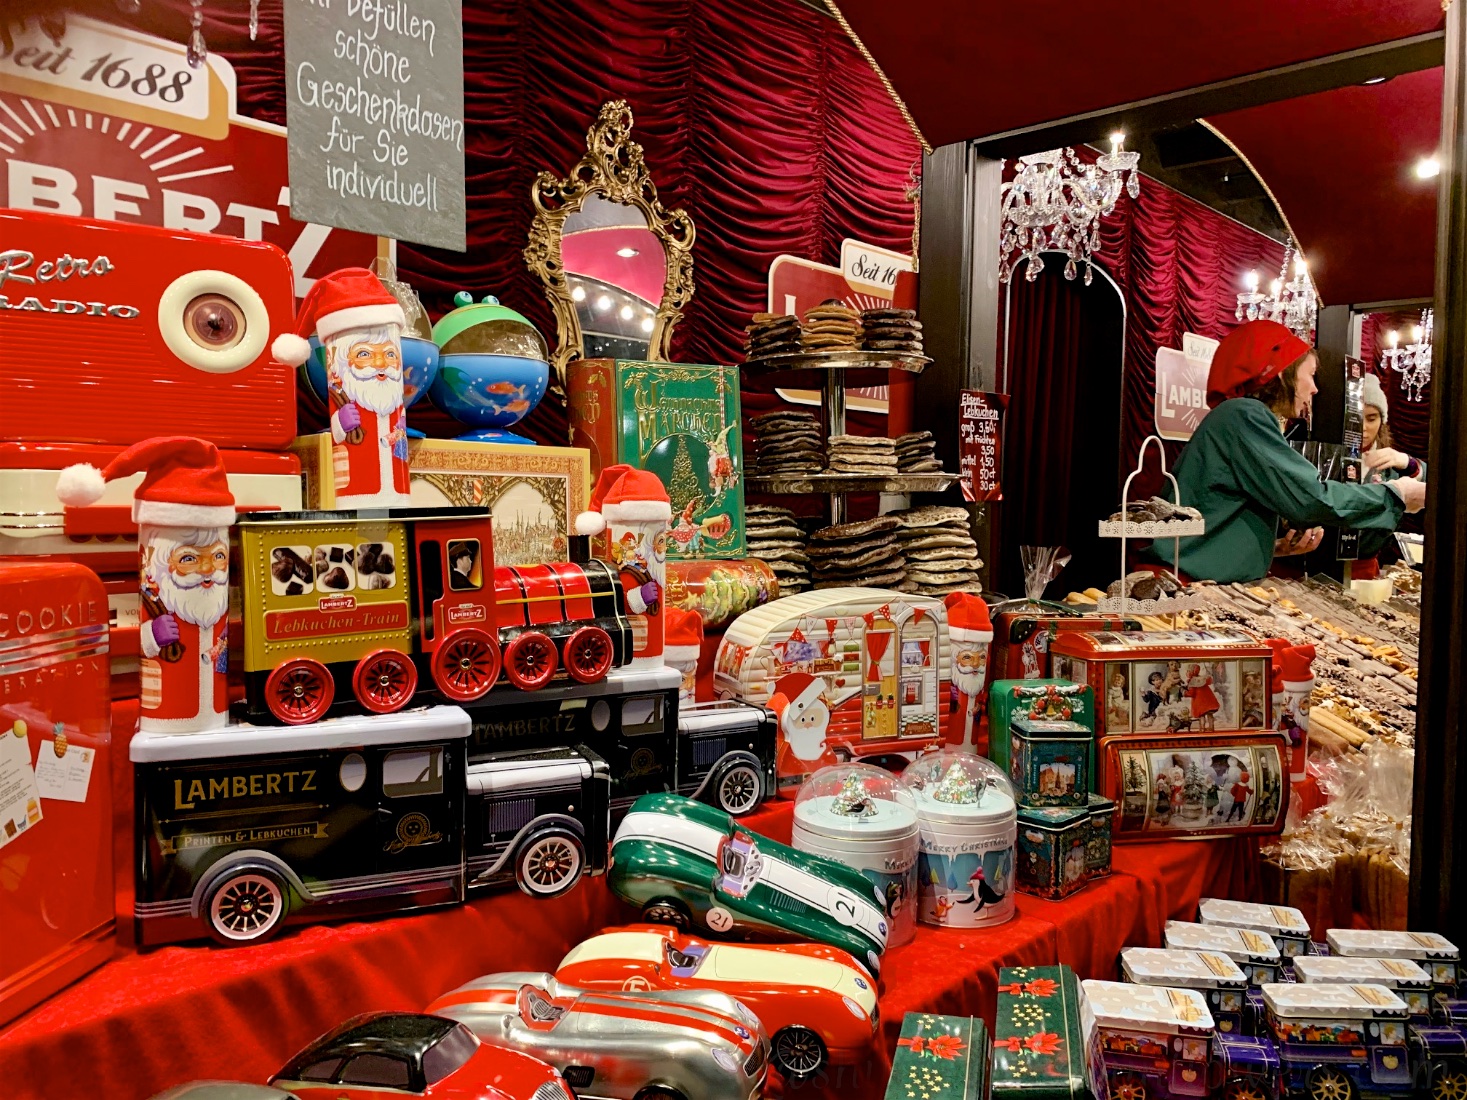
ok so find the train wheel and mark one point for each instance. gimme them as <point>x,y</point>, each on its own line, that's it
<point>385,681</point>
<point>299,690</point>
<point>1127,1086</point>
<point>588,654</point>
<point>466,665</point>
<point>530,660</point>
<point>1449,1082</point>
<point>1329,1083</point>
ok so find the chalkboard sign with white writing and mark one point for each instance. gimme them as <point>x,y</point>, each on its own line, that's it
<point>375,114</point>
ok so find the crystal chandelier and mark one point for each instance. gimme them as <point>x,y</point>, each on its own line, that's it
<point>1292,304</point>
<point>1413,362</point>
<point>1054,204</point>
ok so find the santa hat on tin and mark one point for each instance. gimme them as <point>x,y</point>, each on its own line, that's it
<point>682,638</point>
<point>796,693</point>
<point>184,484</point>
<point>346,299</point>
<point>625,495</point>
<point>967,618</point>
<point>1250,357</point>
<point>1296,665</point>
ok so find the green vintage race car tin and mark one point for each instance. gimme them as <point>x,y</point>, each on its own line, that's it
<point>683,862</point>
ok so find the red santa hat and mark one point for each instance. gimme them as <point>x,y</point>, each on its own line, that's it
<point>1250,357</point>
<point>184,484</point>
<point>967,618</point>
<point>1296,665</point>
<point>625,495</point>
<point>346,299</point>
<point>682,635</point>
<point>795,693</point>
<point>1279,646</point>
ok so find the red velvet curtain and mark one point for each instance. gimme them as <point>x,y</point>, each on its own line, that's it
<point>757,116</point>
<point>1410,421</point>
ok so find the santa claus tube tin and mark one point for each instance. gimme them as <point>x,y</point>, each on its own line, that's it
<point>862,816</point>
<point>968,826</point>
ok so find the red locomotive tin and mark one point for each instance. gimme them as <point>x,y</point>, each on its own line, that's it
<point>57,910</point>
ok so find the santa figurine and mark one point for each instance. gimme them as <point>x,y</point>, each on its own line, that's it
<point>632,507</point>
<point>1296,683</point>
<point>804,720</point>
<point>969,632</point>
<point>683,645</point>
<point>183,510</point>
<point>360,326</point>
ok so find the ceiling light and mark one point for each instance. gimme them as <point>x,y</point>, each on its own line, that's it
<point>603,303</point>
<point>578,294</point>
<point>646,324</point>
<point>1427,167</point>
<point>626,313</point>
<point>1376,80</point>
<point>626,253</point>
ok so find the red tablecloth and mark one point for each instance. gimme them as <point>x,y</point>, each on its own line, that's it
<point>147,1021</point>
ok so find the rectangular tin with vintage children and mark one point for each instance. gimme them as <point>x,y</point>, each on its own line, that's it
<point>1053,856</point>
<point>681,422</point>
<point>1287,925</point>
<point>943,1056</point>
<point>1024,630</point>
<point>1038,1041</point>
<point>56,832</point>
<point>1253,951</point>
<point>1172,682</point>
<point>1049,762</point>
<point>1044,699</point>
<point>1169,786</point>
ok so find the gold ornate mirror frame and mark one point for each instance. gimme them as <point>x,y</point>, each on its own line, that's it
<point>613,167</point>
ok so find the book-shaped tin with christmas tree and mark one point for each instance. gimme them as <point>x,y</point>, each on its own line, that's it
<point>940,1058</point>
<point>1038,1045</point>
<point>681,422</point>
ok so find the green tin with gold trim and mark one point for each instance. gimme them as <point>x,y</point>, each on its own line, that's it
<point>1038,1040</point>
<point>940,1058</point>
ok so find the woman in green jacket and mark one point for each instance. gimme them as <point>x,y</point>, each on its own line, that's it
<point>1242,475</point>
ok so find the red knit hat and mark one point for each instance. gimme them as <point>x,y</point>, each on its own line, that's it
<point>1250,357</point>
<point>681,629</point>
<point>626,495</point>
<point>349,298</point>
<point>1297,661</point>
<point>967,617</point>
<point>184,484</point>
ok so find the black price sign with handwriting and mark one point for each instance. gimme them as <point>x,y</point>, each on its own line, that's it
<point>980,443</point>
<point>375,113</point>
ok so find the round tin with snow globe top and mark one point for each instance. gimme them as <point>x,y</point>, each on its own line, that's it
<point>493,368</point>
<point>968,819</point>
<point>863,817</point>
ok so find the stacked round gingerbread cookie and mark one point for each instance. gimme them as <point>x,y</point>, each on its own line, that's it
<point>831,326</point>
<point>788,443</point>
<point>871,455</point>
<point>916,453</point>
<point>939,551</point>
<point>865,552</point>
<point>772,535</point>
<point>771,334</point>
<point>891,330</point>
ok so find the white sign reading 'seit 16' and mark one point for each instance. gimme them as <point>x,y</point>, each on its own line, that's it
<point>113,124</point>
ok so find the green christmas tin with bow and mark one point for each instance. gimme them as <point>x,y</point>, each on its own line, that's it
<point>940,1058</point>
<point>1038,1044</point>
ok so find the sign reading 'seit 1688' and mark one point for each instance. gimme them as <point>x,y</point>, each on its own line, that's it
<point>113,124</point>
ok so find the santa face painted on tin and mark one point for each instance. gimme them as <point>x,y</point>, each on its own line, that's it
<point>190,574</point>
<point>970,669</point>
<point>368,365</point>
<point>804,729</point>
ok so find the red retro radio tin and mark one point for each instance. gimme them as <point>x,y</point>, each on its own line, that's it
<point>115,332</point>
<point>56,911</point>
